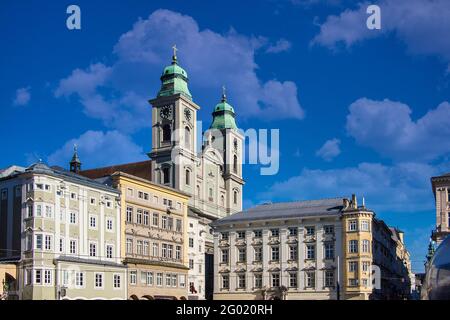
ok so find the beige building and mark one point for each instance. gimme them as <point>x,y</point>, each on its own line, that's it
<point>441,190</point>
<point>154,227</point>
<point>304,250</point>
<point>62,230</point>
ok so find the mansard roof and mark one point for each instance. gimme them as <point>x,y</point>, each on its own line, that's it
<point>286,210</point>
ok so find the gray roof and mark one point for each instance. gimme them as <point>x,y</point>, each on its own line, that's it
<point>286,210</point>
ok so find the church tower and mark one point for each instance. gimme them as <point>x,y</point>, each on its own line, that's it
<point>174,140</point>
<point>224,135</point>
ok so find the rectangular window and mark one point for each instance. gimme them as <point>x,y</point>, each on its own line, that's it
<point>149,278</point>
<point>241,281</point>
<point>73,218</point>
<point>28,275</point>
<point>30,210</point>
<point>116,281</point>
<point>258,280</point>
<point>130,214</point>
<point>275,279</point>
<point>139,245</point>
<point>92,249</point>
<point>365,244</point>
<point>143,277</point>
<point>310,279</point>
<point>99,280</point>
<point>155,220</point>
<point>146,248</point>
<point>169,223</point>
<point>79,279</point>
<point>224,235</point>
<point>191,264</point>
<point>178,253</point>
<point>133,277</point>
<point>92,222</point>
<point>365,266</point>
<point>164,250</point>
<point>310,251</point>
<point>73,196</point>
<point>242,255</point>
<point>29,242</point>
<point>310,231</point>
<point>48,242</point>
<point>240,234</point>
<point>139,216</point>
<point>293,231</point>
<point>38,276</point>
<point>47,277</point>
<point>293,252</point>
<point>329,278</point>
<point>352,225</point>
<point>353,246</point>
<point>159,279</point>
<point>179,225</point>
<point>293,280</point>
<point>92,200</point>
<point>258,254</point>
<point>146,218</point>
<point>225,281</point>
<point>257,233</point>
<point>329,250</point>
<point>73,246</point>
<point>48,212</point>
<point>155,249</point>
<point>365,225</point>
<point>38,242</point>
<point>145,196</point>
<point>182,280</point>
<point>129,246</point>
<point>109,224</point>
<point>174,280</point>
<point>65,277</point>
<point>164,222</point>
<point>225,255</point>
<point>353,266</point>
<point>109,251</point>
<point>61,244</point>
<point>130,192</point>
<point>140,194</point>
<point>170,251</point>
<point>352,282</point>
<point>329,229</point>
<point>191,242</point>
<point>275,253</point>
<point>274,232</point>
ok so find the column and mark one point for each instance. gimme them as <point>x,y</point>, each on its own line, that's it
<point>249,260</point>
<point>232,256</point>
<point>283,257</point>
<point>217,256</point>
<point>301,258</point>
<point>265,257</point>
<point>319,257</point>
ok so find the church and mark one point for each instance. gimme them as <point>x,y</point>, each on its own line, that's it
<point>210,173</point>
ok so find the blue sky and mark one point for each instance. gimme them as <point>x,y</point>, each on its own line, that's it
<point>359,111</point>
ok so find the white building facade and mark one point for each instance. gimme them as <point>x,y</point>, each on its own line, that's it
<point>208,168</point>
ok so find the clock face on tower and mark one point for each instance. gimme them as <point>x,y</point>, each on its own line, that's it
<point>187,114</point>
<point>166,112</point>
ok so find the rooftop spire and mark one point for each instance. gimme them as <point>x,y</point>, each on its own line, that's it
<point>174,56</point>
<point>224,95</point>
<point>75,163</point>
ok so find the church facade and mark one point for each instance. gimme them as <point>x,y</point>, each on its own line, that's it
<point>211,173</point>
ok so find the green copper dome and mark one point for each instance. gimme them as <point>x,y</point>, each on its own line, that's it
<point>223,116</point>
<point>174,80</point>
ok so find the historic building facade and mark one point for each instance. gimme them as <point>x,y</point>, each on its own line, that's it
<point>441,190</point>
<point>210,173</point>
<point>317,249</point>
<point>154,232</point>
<point>63,232</point>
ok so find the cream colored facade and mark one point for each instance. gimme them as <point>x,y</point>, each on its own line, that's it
<point>154,246</point>
<point>66,239</point>
<point>8,281</point>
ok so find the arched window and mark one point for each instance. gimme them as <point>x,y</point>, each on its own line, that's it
<point>187,137</point>
<point>167,134</point>
<point>188,177</point>
<point>235,197</point>
<point>166,175</point>
<point>235,164</point>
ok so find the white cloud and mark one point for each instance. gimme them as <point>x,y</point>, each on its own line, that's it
<point>387,127</point>
<point>280,46</point>
<point>421,24</point>
<point>117,94</point>
<point>22,97</point>
<point>330,149</point>
<point>404,187</point>
<point>97,148</point>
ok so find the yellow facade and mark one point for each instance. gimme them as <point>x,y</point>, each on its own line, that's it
<point>144,197</point>
<point>357,252</point>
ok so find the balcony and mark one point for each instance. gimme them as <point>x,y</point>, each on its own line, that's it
<point>240,242</point>
<point>309,238</point>
<point>257,241</point>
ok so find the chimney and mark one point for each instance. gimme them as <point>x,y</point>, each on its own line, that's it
<point>354,202</point>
